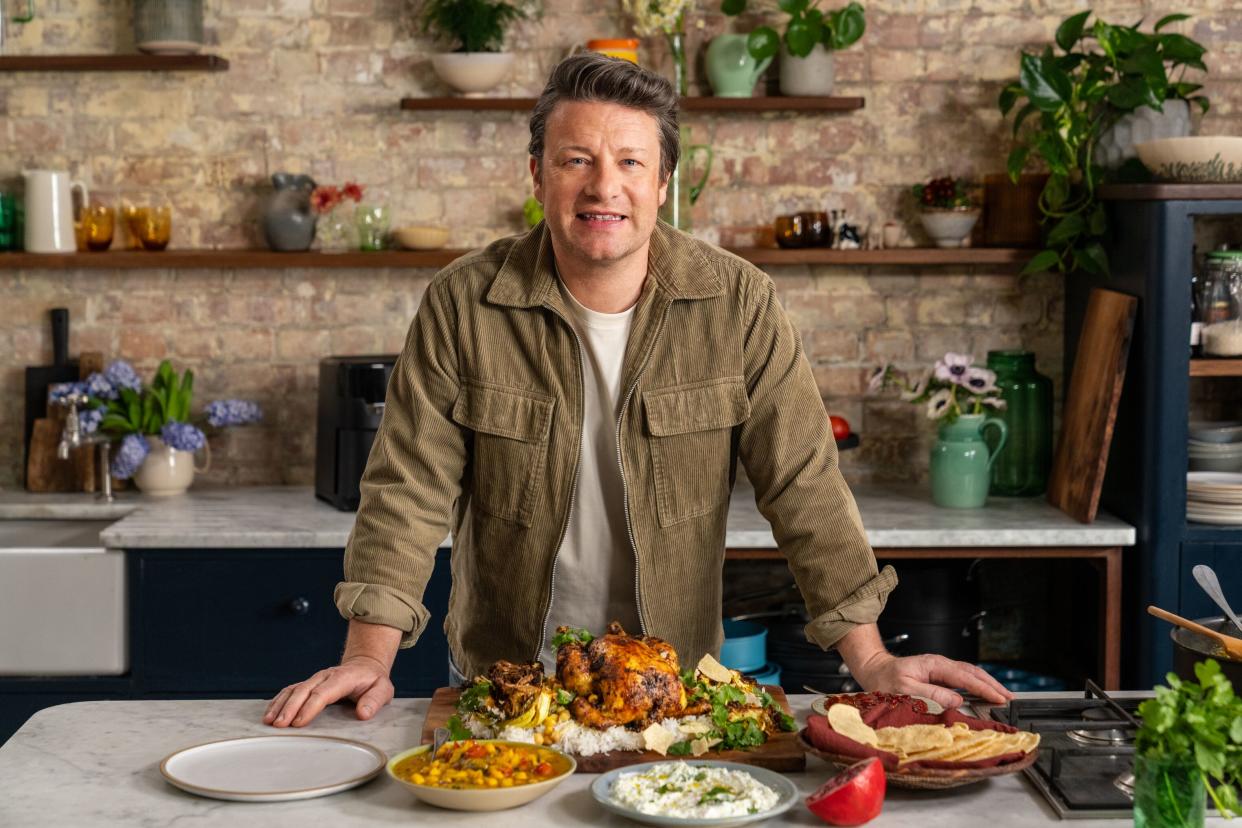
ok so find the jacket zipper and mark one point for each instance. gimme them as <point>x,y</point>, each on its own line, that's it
<point>625,490</point>
<point>573,494</point>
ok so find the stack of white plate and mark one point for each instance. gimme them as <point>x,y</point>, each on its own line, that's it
<point>1215,446</point>
<point>1214,497</point>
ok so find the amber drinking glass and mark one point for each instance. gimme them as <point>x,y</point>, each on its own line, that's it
<point>149,224</point>
<point>815,229</point>
<point>790,231</point>
<point>95,227</point>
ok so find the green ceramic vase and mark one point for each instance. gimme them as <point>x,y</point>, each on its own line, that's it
<point>731,70</point>
<point>961,465</point>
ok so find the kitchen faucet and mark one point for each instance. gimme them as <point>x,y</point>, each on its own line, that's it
<point>72,436</point>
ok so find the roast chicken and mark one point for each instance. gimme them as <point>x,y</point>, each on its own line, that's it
<point>620,679</point>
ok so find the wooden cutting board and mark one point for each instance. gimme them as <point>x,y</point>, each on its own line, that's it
<point>1091,404</point>
<point>780,753</point>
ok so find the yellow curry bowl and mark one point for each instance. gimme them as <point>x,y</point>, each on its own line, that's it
<point>422,237</point>
<point>478,794</point>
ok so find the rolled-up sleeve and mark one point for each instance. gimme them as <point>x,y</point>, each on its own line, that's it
<point>412,479</point>
<point>790,456</point>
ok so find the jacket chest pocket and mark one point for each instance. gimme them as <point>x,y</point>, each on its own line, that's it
<point>510,428</point>
<point>690,430</point>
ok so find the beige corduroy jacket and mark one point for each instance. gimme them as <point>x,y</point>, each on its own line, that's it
<point>482,431</point>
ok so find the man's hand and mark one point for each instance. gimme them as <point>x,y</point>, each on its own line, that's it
<point>923,675</point>
<point>929,676</point>
<point>360,678</point>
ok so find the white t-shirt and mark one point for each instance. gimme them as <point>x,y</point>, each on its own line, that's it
<point>594,581</point>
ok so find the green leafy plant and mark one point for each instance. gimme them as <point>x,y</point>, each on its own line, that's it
<point>1198,722</point>
<point>146,411</point>
<point>475,25</point>
<point>808,25</point>
<point>1077,91</point>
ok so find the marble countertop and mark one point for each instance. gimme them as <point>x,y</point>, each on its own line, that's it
<point>291,517</point>
<point>97,764</point>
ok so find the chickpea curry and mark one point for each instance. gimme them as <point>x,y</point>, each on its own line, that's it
<point>472,764</point>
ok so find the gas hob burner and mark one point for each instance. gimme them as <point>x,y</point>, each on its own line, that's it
<point>1125,783</point>
<point>1101,736</point>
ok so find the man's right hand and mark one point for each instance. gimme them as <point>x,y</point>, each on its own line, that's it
<point>359,678</point>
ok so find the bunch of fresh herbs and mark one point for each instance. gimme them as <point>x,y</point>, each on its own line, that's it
<point>1201,723</point>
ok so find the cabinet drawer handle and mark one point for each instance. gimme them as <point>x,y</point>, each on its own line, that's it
<point>299,606</point>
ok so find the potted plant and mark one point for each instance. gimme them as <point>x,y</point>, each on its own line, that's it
<point>806,48</point>
<point>477,28</point>
<point>338,231</point>
<point>956,395</point>
<point>947,211</point>
<point>1189,744</point>
<point>153,423</point>
<point>1095,76</point>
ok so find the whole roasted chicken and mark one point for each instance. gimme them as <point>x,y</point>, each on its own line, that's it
<point>620,679</point>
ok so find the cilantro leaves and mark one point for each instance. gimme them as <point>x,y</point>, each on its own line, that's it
<point>473,698</point>
<point>572,636</point>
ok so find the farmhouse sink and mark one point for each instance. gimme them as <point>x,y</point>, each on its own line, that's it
<point>63,600</point>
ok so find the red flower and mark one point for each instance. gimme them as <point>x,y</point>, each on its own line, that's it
<point>324,198</point>
<point>352,191</point>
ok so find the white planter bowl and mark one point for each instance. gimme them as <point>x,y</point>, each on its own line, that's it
<point>472,73</point>
<point>950,227</point>
<point>1199,159</point>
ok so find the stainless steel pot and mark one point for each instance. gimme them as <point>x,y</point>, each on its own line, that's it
<point>1190,648</point>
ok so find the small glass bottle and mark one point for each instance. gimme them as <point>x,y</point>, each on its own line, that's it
<point>1021,469</point>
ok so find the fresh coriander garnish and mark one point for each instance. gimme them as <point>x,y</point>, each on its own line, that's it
<point>718,794</point>
<point>472,699</point>
<point>572,636</point>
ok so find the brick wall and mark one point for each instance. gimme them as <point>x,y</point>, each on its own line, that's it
<point>314,86</point>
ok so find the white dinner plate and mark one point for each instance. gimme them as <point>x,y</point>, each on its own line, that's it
<point>1214,519</point>
<point>1214,480</point>
<point>273,768</point>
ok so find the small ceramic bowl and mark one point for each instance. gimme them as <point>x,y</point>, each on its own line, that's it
<point>422,237</point>
<point>1221,431</point>
<point>480,799</point>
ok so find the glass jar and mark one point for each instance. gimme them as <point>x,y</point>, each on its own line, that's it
<point>372,222</point>
<point>1218,300</point>
<point>1021,470</point>
<point>1168,793</point>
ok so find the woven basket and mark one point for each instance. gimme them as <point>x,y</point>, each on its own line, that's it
<point>925,779</point>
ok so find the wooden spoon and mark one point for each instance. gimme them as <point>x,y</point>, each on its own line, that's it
<point>1231,645</point>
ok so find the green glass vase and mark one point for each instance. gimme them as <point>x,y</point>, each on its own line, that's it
<point>961,465</point>
<point>1022,470</point>
<point>1168,793</point>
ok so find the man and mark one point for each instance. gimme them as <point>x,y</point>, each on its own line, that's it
<point>577,399</point>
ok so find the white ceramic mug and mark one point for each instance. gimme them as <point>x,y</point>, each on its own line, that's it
<point>49,211</point>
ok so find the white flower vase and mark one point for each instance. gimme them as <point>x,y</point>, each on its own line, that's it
<point>168,471</point>
<point>949,227</point>
<point>1144,124</point>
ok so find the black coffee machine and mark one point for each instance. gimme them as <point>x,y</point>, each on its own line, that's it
<point>351,405</point>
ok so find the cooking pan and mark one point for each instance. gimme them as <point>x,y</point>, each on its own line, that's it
<point>1190,648</point>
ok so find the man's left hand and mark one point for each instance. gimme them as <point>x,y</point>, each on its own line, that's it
<point>929,676</point>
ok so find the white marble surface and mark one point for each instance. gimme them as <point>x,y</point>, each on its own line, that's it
<point>291,517</point>
<point>97,764</point>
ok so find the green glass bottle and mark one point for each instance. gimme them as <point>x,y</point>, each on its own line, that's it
<point>1022,469</point>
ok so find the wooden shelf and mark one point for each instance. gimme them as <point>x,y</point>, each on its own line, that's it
<point>1171,192</point>
<point>897,256</point>
<point>1216,367</point>
<point>693,104</point>
<point>113,63</point>
<point>256,259</point>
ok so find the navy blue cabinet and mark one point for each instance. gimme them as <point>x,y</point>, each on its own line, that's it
<point>1152,258</point>
<point>234,622</point>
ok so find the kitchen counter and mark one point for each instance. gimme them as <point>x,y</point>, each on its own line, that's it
<point>97,764</point>
<point>291,517</point>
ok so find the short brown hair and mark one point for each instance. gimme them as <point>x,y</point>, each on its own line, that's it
<point>589,76</point>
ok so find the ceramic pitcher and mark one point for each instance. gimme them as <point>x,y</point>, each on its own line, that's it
<point>731,70</point>
<point>168,471</point>
<point>961,467</point>
<point>49,211</point>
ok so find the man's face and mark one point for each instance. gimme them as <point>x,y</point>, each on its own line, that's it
<point>600,180</point>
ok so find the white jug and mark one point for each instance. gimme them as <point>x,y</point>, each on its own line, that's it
<point>49,211</point>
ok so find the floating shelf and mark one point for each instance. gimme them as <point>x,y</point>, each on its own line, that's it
<point>1216,367</point>
<point>693,104</point>
<point>1171,192</point>
<point>256,259</point>
<point>113,63</point>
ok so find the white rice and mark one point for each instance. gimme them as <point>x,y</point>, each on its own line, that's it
<point>574,738</point>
